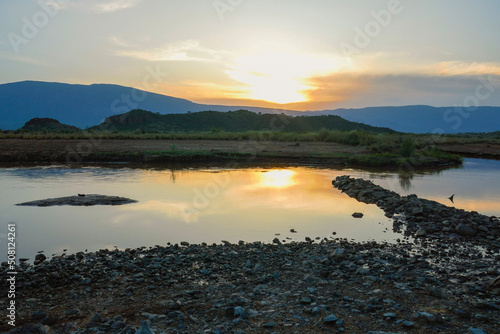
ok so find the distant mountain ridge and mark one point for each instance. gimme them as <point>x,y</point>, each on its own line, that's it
<point>424,119</point>
<point>239,120</point>
<point>87,105</point>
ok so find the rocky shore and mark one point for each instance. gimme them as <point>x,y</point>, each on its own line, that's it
<point>443,281</point>
<point>421,217</point>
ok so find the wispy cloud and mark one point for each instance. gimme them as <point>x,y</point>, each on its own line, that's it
<point>113,6</point>
<point>23,59</point>
<point>106,6</point>
<point>189,50</point>
<point>463,68</point>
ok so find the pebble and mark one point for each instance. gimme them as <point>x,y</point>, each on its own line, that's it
<point>330,319</point>
<point>476,331</point>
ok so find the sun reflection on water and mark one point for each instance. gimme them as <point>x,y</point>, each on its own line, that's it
<point>279,178</point>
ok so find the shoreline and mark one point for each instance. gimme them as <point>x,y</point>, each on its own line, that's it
<point>297,287</point>
<point>206,152</point>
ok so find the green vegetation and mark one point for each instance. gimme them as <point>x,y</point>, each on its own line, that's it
<point>422,159</point>
<point>385,147</point>
<point>407,148</point>
<point>47,125</point>
<point>142,121</point>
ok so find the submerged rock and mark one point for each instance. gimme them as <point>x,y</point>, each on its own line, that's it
<point>79,200</point>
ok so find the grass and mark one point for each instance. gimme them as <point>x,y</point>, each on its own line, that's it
<point>378,142</point>
<point>386,149</point>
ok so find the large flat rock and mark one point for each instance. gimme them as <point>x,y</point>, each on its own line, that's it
<point>87,200</point>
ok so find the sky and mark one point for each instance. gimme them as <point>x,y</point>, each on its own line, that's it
<point>293,54</point>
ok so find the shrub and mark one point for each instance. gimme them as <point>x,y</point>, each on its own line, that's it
<point>407,147</point>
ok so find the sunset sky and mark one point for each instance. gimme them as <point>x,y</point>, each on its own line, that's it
<point>305,55</point>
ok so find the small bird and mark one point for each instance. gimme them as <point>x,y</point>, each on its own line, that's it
<point>451,198</point>
<point>81,195</point>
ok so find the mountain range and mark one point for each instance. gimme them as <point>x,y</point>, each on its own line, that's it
<point>88,105</point>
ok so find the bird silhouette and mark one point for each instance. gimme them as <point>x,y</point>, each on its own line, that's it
<point>451,198</point>
<point>81,195</point>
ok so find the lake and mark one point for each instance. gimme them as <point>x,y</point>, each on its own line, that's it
<point>210,205</point>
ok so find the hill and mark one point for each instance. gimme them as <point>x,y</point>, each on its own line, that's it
<point>240,120</point>
<point>425,119</point>
<point>47,125</point>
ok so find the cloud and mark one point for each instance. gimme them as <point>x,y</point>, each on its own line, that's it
<point>353,90</point>
<point>449,68</point>
<point>189,50</point>
<point>24,59</point>
<point>106,6</point>
<point>113,6</point>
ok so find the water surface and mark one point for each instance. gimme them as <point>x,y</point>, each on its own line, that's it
<point>210,205</point>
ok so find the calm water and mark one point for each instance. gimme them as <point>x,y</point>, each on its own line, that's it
<point>213,205</point>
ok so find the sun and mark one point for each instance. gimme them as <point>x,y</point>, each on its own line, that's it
<point>279,75</point>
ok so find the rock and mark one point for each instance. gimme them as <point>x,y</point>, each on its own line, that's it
<point>407,324</point>
<point>495,283</point>
<point>74,312</point>
<point>118,324</point>
<point>31,329</point>
<point>305,300</point>
<point>39,258</point>
<point>427,316</point>
<point>390,315</point>
<point>338,253</point>
<point>466,230</point>
<point>473,330</point>
<point>96,318</point>
<point>38,315</point>
<point>379,195</point>
<point>421,232</point>
<point>143,328</point>
<point>270,324</point>
<point>239,311</point>
<point>276,241</point>
<point>418,211</point>
<point>49,320</point>
<point>330,319</point>
<point>357,215</point>
<point>87,200</point>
